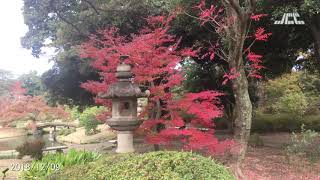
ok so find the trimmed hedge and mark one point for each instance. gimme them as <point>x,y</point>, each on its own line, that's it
<point>160,165</point>
<point>284,122</point>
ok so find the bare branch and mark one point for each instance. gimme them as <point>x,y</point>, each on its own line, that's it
<point>224,54</point>
<point>249,47</point>
<point>214,26</point>
<point>92,6</point>
<point>222,57</point>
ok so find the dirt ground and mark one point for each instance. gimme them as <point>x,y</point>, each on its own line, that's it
<point>270,162</point>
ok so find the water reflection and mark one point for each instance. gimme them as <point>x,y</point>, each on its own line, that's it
<point>13,142</point>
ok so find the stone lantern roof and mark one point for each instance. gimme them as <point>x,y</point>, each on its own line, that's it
<point>125,90</point>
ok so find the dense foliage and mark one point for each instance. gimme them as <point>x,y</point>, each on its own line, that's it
<point>293,93</point>
<point>155,165</point>
<point>66,131</point>
<point>20,106</point>
<point>52,163</point>
<point>74,112</point>
<point>154,57</point>
<point>6,81</point>
<point>287,102</point>
<point>32,83</point>
<point>65,24</point>
<point>62,83</point>
<point>88,118</point>
<point>285,122</point>
<point>294,38</point>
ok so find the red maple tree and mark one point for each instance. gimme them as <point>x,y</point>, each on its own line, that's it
<point>231,21</point>
<point>214,15</point>
<point>18,105</point>
<point>154,55</point>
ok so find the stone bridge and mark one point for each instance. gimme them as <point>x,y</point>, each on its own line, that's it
<point>54,125</point>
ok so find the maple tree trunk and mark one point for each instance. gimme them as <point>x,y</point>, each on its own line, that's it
<point>236,36</point>
<point>156,114</point>
<point>158,127</point>
<point>243,115</point>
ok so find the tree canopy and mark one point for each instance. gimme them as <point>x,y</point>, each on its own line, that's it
<point>6,81</point>
<point>64,25</point>
<point>32,83</point>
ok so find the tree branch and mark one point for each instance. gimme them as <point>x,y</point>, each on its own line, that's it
<point>252,6</point>
<point>68,22</point>
<point>52,5</point>
<point>236,7</point>
<point>92,6</point>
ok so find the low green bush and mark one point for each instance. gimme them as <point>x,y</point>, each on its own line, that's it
<point>74,112</point>
<point>307,144</point>
<point>294,93</point>
<point>52,163</point>
<point>312,122</point>
<point>310,84</point>
<point>275,122</point>
<point>32,148</point>
<point>293,103</point>
<point>313,109</point>
<point>286,122</point>
<point>160,165</point>
<point>65,131</point>
<point>88,119</point>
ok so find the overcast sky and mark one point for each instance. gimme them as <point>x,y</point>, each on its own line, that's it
<point>13,57</point>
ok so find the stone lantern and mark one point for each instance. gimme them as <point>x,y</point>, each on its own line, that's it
<point>124,95</point>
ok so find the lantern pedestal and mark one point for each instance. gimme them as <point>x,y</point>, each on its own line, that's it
<point>125,142</point>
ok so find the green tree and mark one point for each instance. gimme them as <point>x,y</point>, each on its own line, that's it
<point>88,118</point>
<point>294,38</point>
<point>32,83</point>
<point>6,81</point>
<point>62,82</point>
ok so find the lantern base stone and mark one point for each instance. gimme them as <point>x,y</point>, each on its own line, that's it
<point>125,142</point>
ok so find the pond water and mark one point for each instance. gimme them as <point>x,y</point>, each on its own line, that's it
<point>13,142</point>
